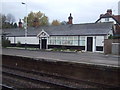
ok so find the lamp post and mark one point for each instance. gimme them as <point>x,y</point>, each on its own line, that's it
<point>25,26</point>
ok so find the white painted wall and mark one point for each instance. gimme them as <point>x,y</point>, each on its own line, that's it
<point>97,40</point>
<point>109,20</point>
<point>11,39</point>
<point>23,40</point>
<point>28,40</point>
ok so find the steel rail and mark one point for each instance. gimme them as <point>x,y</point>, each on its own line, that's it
<point>6,87</point>
<point>63,77</point>
<point>38,80</point>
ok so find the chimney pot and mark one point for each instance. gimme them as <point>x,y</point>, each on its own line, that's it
<point>20,23</point>
<point>109,11</point>
<point>70,19</point>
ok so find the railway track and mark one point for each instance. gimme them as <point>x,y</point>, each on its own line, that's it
<point>37,81</point>
<point>6,87</point>
<point>82,82</point>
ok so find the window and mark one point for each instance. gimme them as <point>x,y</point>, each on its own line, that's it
<point>99,40</point>
<point>82,41</point>
<point>63,40</point>
<point>52,40</point>
<point>75,40</point>
<point>58,40</point>
<point>107,19</point>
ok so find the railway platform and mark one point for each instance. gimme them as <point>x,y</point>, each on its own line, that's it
<point>102,70</point>
<point>85,58</point>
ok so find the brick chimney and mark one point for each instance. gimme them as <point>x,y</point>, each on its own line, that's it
<point>70,19</point>
<point>20,23</point>
<point>109,11</point>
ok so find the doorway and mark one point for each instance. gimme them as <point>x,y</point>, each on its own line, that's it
<point>89,43</point>
<point>43,43</point>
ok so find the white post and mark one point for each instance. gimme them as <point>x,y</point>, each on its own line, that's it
<point>85,43</point>
<point>40,42</point>
<point>94,43</point>
<point>47,43</point>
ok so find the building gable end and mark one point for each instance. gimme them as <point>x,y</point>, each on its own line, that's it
<point>108,17</point>
<point>43,34</point>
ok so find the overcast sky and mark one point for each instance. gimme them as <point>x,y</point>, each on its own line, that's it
<point>83,11</point>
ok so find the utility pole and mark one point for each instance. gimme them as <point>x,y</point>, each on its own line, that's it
<point>25,26</point>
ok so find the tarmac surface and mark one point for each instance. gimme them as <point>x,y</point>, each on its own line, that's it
<point>85,57</point>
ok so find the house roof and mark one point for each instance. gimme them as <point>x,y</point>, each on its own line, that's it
<point>73,29</point>
<point>107,15</point>
<point>117,17</point>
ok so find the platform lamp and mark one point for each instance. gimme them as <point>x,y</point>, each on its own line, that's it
<point>25,26</point>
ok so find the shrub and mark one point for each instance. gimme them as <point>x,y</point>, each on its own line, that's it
<point>63,48</point>
<point>5,42</point>
<point>18,44</point>
<point>110,37</point>
<point>113,37</point>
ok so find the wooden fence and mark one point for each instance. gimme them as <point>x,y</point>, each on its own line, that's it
<point>108,45</point>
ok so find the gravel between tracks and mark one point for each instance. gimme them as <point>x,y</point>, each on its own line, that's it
<point>59,81</point>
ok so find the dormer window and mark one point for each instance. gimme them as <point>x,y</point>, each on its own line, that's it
<point>107,19</point>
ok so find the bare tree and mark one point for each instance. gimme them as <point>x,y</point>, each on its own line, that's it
<point>3,18</point>
<point>10,18</point>
<point>7,21</point>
